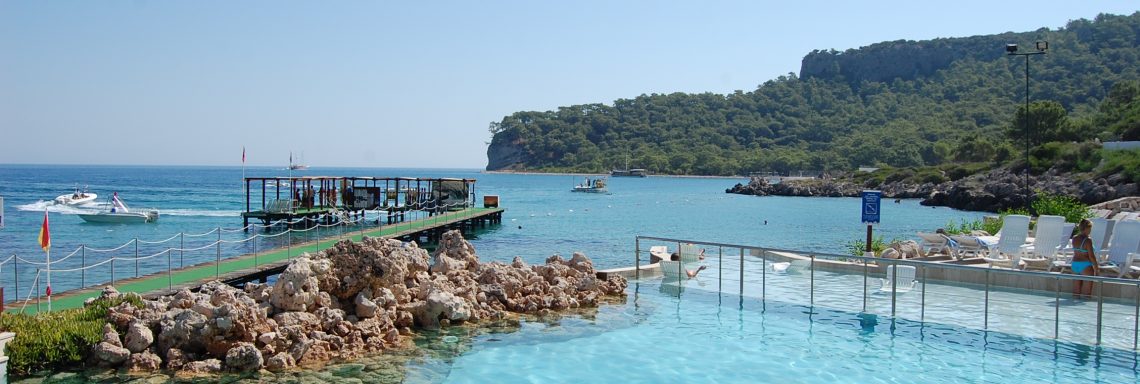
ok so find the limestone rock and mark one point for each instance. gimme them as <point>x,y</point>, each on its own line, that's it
<point>204,366</point>
<point>111,336</point>
<point>175,359</point>
<point>139,337</point>
<point>351,299</point>
<point>280,362</point>
<point>145,361</point>
<point>244,357</point>
<point>110,354</point>
<point>297,288</point>
<point>365,307</point>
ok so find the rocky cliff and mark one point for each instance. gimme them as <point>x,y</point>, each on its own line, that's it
<point>349,300</point>
<point>990,191</point>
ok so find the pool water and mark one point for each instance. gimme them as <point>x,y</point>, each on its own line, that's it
<point>666,333</point>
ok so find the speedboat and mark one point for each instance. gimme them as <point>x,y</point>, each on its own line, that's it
<point>120,214</point>
<point>76,198</point>
<point>591,186</point>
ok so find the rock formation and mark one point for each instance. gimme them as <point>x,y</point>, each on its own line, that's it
<point>990,191</point>
<point>351,299</point>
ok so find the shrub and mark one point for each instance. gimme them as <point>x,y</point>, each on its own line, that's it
<point>857,247</point>
<point>1060,205</point>
<point>1126,163</point>
<point>61,339</point>
<point>993,226</point>
<point>965,227</point>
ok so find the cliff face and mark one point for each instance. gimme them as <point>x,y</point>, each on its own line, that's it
<point>505,153</point>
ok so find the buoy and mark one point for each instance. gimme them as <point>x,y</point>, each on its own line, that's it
<point>450,339</point>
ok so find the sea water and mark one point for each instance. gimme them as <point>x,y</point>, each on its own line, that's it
<point>542,217</point>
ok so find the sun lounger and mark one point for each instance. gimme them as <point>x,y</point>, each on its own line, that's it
<point>1122,250</point>
<point>1007,253</point>
<point>969,246</point>
<point>933,242</point>
<point>689,253</point>
<point>1046,241</point>
<point>905,280</point>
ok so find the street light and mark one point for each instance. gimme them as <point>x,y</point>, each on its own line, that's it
<point>1011,50</point>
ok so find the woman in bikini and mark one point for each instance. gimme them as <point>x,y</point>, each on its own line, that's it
<point>1084,259</point>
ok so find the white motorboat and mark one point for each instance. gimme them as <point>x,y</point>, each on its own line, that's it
<point>120,214</point>
<point>76,198</point>
<point>597,185</point>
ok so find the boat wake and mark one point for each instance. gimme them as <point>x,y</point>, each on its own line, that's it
<point>198,212</point>
<point>51,206</point>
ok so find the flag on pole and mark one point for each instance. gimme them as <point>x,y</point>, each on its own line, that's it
<point>243,154</point>
<point>45,234</point>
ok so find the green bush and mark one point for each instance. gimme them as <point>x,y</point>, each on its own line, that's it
<point>993,226</point>
<point>61,339</point>
<point>857,247</point>
<point>965,227</point>
<point>1126,163</point>
<point>1060,205</point>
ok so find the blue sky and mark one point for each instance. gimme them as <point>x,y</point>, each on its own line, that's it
<point>408,84</point>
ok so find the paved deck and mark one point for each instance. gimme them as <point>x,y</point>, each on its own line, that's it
<point>195,275</point>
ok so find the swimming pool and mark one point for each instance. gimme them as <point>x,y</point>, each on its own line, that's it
<point>694,334</point>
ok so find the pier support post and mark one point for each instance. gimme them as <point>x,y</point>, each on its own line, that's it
<point>218,255</point>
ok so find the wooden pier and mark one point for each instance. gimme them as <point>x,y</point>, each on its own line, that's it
<point>305,198</point>
<point>259,266</point>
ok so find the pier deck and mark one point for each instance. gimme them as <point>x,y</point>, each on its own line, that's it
<point>257,266</point>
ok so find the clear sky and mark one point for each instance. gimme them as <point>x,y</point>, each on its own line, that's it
<point>404,84</point>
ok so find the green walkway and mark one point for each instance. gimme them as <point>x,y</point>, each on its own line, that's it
<point>197,274</point>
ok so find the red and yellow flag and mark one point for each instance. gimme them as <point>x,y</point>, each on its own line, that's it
<point>45,234</point>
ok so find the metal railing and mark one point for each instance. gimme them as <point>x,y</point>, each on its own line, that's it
<point>150,261</point>
<point>848,268</point>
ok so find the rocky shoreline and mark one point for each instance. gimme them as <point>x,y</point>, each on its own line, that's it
<point>348,301</point>
<point>990,191</point>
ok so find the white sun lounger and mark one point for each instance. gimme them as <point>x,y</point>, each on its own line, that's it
<point>905,280</point>
<point>1046,241</point>
<point>1122,250</point>
<point>932,242</point>
<point>1007,253</point>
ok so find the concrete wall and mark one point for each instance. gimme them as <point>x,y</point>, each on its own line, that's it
<point>1121,145</point>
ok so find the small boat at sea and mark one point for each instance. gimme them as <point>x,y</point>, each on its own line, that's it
<point>597,185</point>
<point>120,214</point>
<point>636,172</point>
<point>299,165</point>
<point>76,198</point>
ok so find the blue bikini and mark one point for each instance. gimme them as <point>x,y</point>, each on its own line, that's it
<point>1079,266</point>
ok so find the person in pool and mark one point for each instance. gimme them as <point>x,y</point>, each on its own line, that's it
<point>677,257</point>
<point>1084,258</point>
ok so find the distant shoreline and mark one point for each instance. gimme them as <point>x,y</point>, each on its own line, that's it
<point>606,174</point>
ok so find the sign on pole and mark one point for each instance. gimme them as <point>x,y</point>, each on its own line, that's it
<point>870,205</point>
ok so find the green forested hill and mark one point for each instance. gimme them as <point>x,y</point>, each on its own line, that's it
<point>899,103</point>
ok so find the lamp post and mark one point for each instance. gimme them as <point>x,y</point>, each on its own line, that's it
<point>1011,50</point>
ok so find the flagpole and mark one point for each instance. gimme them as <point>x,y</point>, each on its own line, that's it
<point>49,278</point>
<point>45,243</point>
<point>243,168</point>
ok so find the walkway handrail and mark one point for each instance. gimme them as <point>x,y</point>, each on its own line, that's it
<point>875,260</point>
<point>922,266</point>
<point>306,224</point>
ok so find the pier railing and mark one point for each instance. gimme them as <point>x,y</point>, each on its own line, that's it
<point>88,266</point>
<point>987,301</point>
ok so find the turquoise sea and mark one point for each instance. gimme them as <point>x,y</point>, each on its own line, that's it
<point>691,331</point>
<point>543,217</point>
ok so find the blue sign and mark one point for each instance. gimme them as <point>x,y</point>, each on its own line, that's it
<point>870,205</point>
